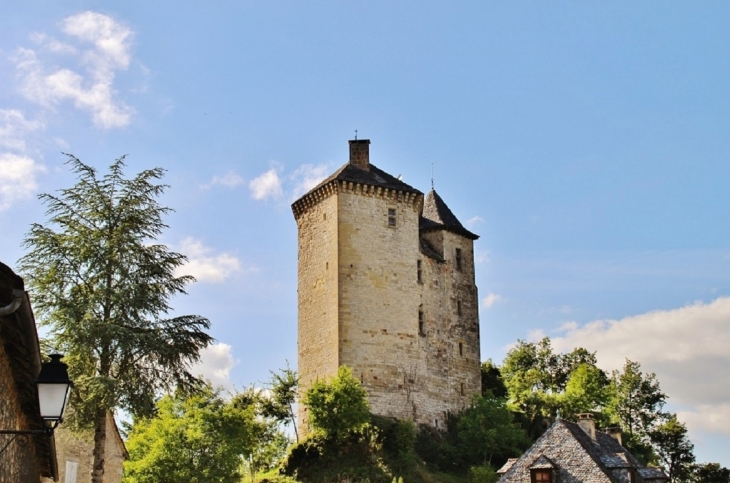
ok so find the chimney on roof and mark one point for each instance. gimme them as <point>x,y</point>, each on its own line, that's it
<point>615,433</point>
<point>360,153</point>
<point>587,424</point>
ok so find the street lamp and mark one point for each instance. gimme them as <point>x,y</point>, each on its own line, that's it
<point>54,387</point>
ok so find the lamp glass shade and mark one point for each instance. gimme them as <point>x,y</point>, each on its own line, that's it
<point>52,399</point>
<point>54,387</point>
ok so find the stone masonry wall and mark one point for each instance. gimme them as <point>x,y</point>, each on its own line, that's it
<point>378,301</point>
<point>360,299</point>
<point>450,340</point>
<point>18,461</point>
<point>317,286</point>
<point>75,451</point>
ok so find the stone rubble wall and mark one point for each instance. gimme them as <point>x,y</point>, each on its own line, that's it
<point>359,303</point>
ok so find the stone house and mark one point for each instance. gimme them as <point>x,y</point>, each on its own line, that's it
<point>76,454</point>
<point>32,457</point>
<point>578,453</point>
<point>386,286</point>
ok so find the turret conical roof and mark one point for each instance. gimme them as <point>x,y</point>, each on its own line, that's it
<point>436,215</point>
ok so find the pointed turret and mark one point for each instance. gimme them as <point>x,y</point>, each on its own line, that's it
<point>437,216</point>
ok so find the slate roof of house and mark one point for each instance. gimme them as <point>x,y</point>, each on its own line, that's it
<point>577,458</point>
<point>437,216</point>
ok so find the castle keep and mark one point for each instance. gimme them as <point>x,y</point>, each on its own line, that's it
<point>386,287</point>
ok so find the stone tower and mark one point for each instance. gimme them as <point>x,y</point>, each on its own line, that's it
<point>386,287</point>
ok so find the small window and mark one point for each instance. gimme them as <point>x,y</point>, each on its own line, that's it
<point>462,386</point>
<point>458,258</point>
<point>461,351</point>
<point>419,271</point>
<point>326,265</point>
<point>541,475</point>
<point>324,216</point>
<point>458,307</point>
<point>391,217</point>
<point>436,422</point>
<point>421,323</point>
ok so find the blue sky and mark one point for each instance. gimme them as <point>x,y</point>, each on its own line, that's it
<point>586,143</point>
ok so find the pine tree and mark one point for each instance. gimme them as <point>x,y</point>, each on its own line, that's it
<point>102,286</point>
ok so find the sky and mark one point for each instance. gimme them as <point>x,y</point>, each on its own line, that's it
<point>585,142</point>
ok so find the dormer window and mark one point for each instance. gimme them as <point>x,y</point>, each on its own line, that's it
<point>391,217</point>
<point>541,475</point>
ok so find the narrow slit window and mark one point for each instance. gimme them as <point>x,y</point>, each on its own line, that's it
<point>458,259</point>
<point>462,389</point>
<point>421,323</point>
<point>458,307</point>
<point>461,349</point>
<point>391,217</point>
<point>419,271</point>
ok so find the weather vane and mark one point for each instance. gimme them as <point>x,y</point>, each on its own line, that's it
<point>355,134</point>
<point>431,175</point>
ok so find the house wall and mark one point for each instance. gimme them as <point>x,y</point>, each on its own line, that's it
<point>75,452</point>
<point>17,462</point>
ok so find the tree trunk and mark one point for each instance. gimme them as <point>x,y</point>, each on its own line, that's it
<point>97,471</point>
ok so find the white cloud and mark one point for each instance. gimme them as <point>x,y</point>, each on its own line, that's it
<point>491,299</point>
<point>268,185</point>
<point>306,177</point>
<point>474,221</point>
<point>93,91</point>
<point>17,178</point>
<point>686,347</point>
<point>14,128</point>
<point>111,39</point>
<point>204,265</point>
<point>216,362</point>
<point>230,180</point>
<point>712,418</point>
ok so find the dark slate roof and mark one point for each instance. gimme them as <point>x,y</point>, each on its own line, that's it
<point>373,177</point>
<point>436,215</point>
<point>429,251</point>
<point>578,458</point>
<point>652,474</point>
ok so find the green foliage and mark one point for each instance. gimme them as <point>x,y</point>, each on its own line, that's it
<point>483,433</point>
<point>586,391</point>
<point>351,456</point>
<point>492,382</point>
<point>636,401</point>
<point>486,430</point>
<point>280,405</point>
<point>675,451</point>
<point>710,473</point>
<point>102,286</point>
<point>482,474</point>
<point>197,439</point>
<point>536,379</point>
<point>397,439</point>
<point>339,406</point>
